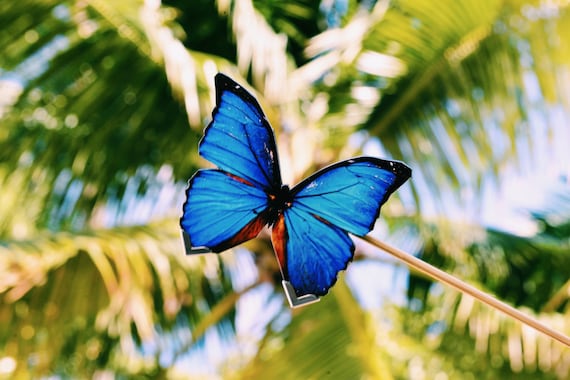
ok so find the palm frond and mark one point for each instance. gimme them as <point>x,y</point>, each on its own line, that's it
<point>495,334</point>
<point>450,91</point>
<point>525,271</point>
<point>331,338</point>
<point>68,138</point>
<point>491,347</point>
<point>110,291</point>
<point>190,73</point>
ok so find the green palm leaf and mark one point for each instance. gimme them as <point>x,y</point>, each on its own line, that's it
<point>526,271</point>
<point>104,289</point>
<point>331,338</point>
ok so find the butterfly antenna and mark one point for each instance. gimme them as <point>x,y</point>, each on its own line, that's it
<point>439,275</point>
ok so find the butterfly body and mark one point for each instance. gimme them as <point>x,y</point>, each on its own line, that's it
<point>278,201</point>
<point>310,222</point>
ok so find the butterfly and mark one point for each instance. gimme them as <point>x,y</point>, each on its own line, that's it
<point>310,222</point>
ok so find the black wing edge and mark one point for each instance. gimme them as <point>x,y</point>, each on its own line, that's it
<point>225,83</point>
<point>402,171</point>
<point>188,248</point>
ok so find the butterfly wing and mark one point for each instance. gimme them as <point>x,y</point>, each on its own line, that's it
<point>229,205</point>
<point>311,237</point>
<point>310,251</point>
<point>239,140</point>
<point>221,211</point>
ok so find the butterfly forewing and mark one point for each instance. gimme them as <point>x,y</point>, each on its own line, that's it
<point>349,194</point>
<point>239,140</point>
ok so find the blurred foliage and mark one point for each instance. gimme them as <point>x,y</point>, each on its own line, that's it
<point>101,107</point>
<point>62,138</point>
<point>95,287</point>
<point>297,350</point>
<point>526,271</point>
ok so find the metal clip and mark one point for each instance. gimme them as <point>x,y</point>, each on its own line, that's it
<point>188,246</point>
<point>295,301</point>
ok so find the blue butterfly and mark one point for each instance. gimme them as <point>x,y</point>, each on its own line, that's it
<point>310,222</point>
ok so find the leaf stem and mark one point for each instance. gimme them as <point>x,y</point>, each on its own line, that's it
<point>463,287</point>
<point>558,299</point>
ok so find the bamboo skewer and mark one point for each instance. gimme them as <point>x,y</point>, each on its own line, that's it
<point>463,287</point>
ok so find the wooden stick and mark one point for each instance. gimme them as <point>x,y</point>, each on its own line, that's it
<point>463,287</point>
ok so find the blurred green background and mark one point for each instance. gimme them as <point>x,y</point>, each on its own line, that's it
<point>102,104</point>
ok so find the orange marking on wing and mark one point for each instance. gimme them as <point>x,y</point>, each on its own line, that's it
<point>239,179</point>
<point>279,238</point>
<point>250,231</point>
<point>321,219</point>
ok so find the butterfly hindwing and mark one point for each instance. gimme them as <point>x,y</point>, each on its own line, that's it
<point>310,251</point>
<point>311,239</point>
